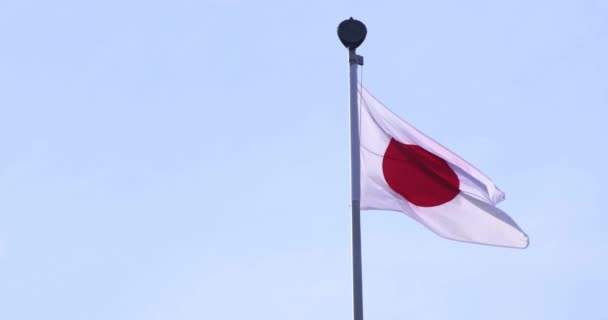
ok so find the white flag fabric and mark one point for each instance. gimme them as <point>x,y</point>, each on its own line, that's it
<point>404,170</point>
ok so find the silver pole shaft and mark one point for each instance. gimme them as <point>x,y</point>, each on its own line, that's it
<point>355,172</point>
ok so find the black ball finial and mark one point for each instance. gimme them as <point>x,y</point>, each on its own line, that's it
<point>352,33</point>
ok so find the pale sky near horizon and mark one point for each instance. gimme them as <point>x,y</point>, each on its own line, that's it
<point>189,159</point>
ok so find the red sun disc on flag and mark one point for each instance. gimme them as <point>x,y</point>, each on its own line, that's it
<point>421,177</point>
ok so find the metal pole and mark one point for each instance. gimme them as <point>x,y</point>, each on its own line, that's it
<point>352,33</point>
<point>355,172</point>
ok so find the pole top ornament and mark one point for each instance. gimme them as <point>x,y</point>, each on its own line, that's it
<point>352,33</point>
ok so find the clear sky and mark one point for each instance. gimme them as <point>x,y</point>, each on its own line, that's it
<point>189,159</point>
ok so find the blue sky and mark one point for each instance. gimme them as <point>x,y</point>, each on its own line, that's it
<point>189,159</point>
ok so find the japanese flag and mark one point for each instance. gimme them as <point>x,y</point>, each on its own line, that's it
<point>404,170</point>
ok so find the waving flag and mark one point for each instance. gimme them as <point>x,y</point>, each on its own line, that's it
<point>404,170</point>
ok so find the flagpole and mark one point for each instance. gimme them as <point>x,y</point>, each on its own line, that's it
<point>355,192</point>
<point>352,33</point>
